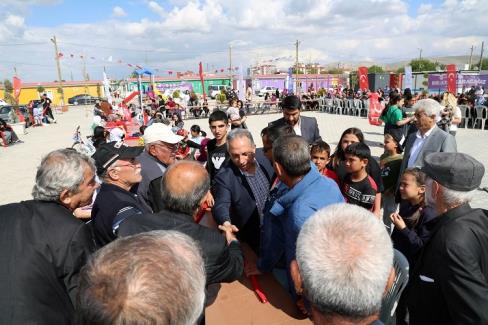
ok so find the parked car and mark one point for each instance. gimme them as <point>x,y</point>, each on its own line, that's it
<point>269,90</point>
<point>214,90</point>
<point>82,99</point>
<point>6,113</point>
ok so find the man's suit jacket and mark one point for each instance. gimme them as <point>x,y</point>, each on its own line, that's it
<point>437,141</point>
<point>234,200</point>
<point>308,126</point>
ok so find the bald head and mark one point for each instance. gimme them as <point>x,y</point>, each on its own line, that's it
<point>184,186</point>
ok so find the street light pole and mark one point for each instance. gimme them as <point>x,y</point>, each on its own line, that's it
<point>58,66</point>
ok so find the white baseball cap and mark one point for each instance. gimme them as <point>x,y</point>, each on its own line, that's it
<point>160,132</point>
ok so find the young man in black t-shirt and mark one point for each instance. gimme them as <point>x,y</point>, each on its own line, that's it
<point>358,187</point>
<point>217,148</point>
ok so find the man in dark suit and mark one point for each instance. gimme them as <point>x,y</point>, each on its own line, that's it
<point>449,284</point>
<point>429,137</point>
<point>241,187</point>
<point>185,185</point>
<point>304,126</point>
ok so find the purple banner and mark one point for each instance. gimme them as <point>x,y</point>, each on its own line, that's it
<point>439,81</point>
<point>181,85</point>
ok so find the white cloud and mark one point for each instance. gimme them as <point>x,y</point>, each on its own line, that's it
<point>14,21</point>
<point>156,8</point>
<point>118,12</point>
<point>186,32</point>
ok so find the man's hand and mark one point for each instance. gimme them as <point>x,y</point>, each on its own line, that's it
<point>398,221</point>
<point>229,231</point>
<point>210,200</point>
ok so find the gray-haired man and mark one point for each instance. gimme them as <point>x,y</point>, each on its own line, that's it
<point>155,277</point>
<point>345,259</point>
<point>241,187</point>
<point>43,246</point>
<point>450,281</point>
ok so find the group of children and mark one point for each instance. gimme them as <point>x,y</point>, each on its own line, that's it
<point>365,183</point>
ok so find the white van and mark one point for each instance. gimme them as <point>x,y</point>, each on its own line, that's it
<point>213,90</point>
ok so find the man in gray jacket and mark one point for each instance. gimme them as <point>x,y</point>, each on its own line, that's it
<point>429,138</point>
<point>160,151</point>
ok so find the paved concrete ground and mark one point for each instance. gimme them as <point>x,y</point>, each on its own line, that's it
<point>18,163</point>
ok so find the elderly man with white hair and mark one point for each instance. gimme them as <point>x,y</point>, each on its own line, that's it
<point>450,280</point>
<point>43,246</point>
<point>156,277</point>
<point>344,263</point>
<point>429,137</point>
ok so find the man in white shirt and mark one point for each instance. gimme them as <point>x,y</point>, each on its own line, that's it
<point>429,138</point>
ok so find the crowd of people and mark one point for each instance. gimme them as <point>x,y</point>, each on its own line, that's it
<point>117,238</point>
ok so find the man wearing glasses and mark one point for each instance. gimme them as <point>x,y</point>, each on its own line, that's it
<point>119,171</point>
<point>161,145</point>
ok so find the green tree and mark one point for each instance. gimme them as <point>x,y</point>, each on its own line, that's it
<point>335,71</point>
<point>375,69</point>
<point>9,91</point>
<point>422,65</point>
<point>484,65</point>
<point>400,70</point>
<point>40,89</point>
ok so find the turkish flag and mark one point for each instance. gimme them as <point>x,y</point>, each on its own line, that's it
<point>394,81</point>
<point>363,78</point>
<point>17,83</point>
<point>200,72</point>
<point>375,109</point>
<point>451,78</point>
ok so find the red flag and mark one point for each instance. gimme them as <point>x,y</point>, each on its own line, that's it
<point>138,67</point>
<point>130,65</point>
<point>60,55</point>
<point>170,72</point>
<point>200,71</point>
<point>394,81</point>
<point>221,70</point>
<point>375,109</point>
<point>17,83</point>
<point>363,78</point>
<point>451,78</point>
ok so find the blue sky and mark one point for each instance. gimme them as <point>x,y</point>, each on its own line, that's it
<point>92,11</point>
<point>174,35</point>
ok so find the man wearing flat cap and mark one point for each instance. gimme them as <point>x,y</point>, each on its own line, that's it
<point>450,280</point>
<point>119,171</point>
<point>304,126</point>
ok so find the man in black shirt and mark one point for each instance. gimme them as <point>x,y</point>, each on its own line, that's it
<point>117,167</point>
<point>46,108</point>
<point>217,149</point>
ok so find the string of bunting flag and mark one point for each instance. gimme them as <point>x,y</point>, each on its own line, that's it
<point>110,59</point>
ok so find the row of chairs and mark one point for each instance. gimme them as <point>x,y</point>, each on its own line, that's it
<point>354,107</point>
<point>474,117</point>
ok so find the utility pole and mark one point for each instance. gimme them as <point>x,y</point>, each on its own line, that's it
<point>15,71</point>
<point>471,57</point>
<point>420,67</point>
<point>84,68</point>
<point>296,67</point>
<point>230,66</point>
<point>481,55</point>
<point>58,66</point>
